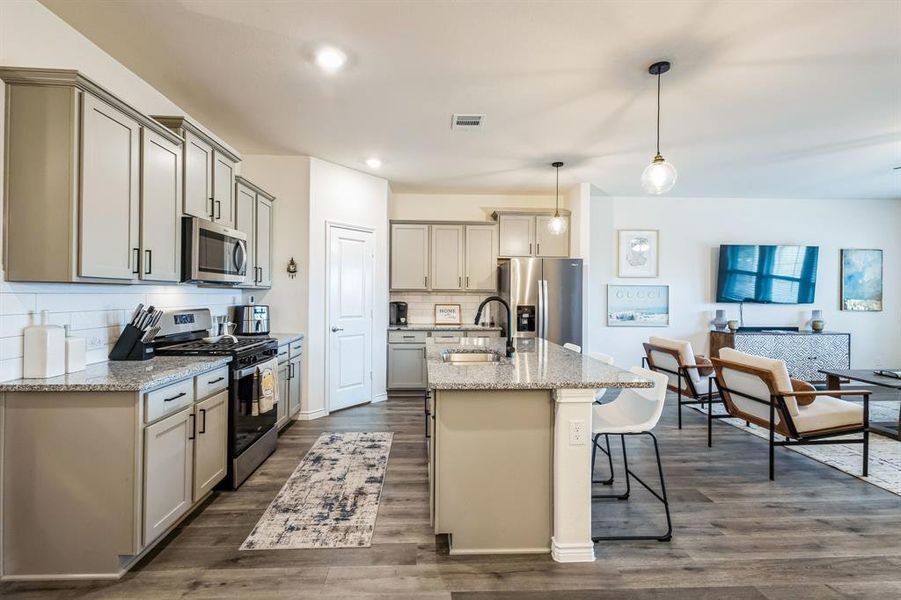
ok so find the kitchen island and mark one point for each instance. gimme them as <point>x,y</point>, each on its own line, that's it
<point>509,445</point>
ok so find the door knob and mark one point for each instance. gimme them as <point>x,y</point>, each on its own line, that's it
<point>336,329</point>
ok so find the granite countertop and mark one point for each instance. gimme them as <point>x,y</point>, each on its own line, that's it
<point>536,365</point>
<point>433,327</point>
<point>286,338</point>
<point>122,375</point>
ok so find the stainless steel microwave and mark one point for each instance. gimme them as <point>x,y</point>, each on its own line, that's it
<point>212,253</point>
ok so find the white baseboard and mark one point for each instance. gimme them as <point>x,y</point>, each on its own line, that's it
<point>313,414</point>
<point>470,551</point>
<point>578,552</point>
<point>380,397</point>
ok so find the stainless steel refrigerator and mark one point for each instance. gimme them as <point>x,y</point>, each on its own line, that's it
<point>545,296</point>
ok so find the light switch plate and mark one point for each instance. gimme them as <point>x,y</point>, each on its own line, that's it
<point>578,436</point>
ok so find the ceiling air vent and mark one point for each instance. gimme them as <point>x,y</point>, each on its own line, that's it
<point>467,121</point>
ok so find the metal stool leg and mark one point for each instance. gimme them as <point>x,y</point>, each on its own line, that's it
<point>594,452</point>
<point>668,534</point>
<point>624,495</point>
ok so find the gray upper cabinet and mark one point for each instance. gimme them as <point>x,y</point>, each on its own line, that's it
<point>526,234</point>
<point>481,258</point>
<point>517,235</point>
<point>198,177</point>
<point>253,216</point>
<point>409,257</point>
<point>546,243</point>
<point>223,189</point>
<point>108,219</point>
<point>78,148</point>
<point>264,242</point>
<point>161,202</point>
<point>447,257</point>
<point>209,173</point>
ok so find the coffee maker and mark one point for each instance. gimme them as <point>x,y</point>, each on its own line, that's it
<point>397,314</point>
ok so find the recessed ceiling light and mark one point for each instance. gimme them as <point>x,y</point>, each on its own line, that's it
<point>374,163</point>
<point>330,59</point>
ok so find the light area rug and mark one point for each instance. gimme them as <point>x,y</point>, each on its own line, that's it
<point>885,453</point>
<point>332,498</point>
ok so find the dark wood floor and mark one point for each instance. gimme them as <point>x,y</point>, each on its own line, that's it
<point>814,533</point>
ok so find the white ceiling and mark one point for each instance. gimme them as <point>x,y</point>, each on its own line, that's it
<point>778,99</point>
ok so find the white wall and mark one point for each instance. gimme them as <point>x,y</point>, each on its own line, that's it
<point>691,230</point>
<point>288,179</point>
<point>344,196</point>
<point>32,36</point>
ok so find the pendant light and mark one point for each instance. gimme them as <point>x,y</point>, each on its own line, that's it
<point>557,225</point>
<point>659,176</point>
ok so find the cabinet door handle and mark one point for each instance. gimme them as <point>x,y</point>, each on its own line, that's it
<point>215,381</point>
<point>425,281</point>
<point>218,209</point>
<point>538,248</point>
<point>148,254</point>
<point>203,421</point>
<point>175,397</point>
<point>193,418</point>
<point>467,281</point>
<point>459,282</point>
<point>212,208</point>
<point>137,257</point>
<point>409,337</point>
<point>530,247</point>
<point>290,371</point>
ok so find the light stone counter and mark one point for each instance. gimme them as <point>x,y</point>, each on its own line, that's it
<point>286,338</point>
<point>121,375</point>
<point>433,327</point>
<point>536,365</point>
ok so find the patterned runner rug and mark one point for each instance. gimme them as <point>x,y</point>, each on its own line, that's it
<point>332,498</point>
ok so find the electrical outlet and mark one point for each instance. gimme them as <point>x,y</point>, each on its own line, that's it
<point>577,434</point>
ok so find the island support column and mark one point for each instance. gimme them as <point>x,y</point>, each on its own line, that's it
<point>571,541</point>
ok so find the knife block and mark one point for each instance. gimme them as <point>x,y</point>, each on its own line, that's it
<point>130,347</point>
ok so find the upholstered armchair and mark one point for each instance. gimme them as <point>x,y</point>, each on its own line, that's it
<point>759,390</point>
<point>690,375</point>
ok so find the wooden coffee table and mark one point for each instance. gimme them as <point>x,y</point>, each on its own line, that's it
<point>834,379</point>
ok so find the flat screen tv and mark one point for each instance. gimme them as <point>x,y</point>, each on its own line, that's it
<point>767,274</point>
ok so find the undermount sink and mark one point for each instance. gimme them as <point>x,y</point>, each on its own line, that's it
<point>470,357</point>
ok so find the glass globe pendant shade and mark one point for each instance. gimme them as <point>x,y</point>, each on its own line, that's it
<point>659,176</point>
<point>557,225</point>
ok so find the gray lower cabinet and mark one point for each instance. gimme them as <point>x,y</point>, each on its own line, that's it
<point>406,367</point>
<point>168,472</point>
<point>290,381</point>
<point>210,443</point>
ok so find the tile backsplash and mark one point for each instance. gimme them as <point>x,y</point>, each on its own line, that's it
<point>95,312</point>
<point>421,305</point>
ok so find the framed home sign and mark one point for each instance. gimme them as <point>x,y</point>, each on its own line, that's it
<point>447,314</point>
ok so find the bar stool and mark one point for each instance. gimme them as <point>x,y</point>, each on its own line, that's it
<point>635,411</point>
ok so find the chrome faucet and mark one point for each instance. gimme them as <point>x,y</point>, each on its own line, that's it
<point>510,349</point>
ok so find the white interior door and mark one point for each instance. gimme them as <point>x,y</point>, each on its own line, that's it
<point>350,266</point>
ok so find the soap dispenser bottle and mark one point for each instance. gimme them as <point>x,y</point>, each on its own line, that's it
<point>44,350</point>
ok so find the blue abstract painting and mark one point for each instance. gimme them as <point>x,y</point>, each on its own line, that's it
<point>861,280</point>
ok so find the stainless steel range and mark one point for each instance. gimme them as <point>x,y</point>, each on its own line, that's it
<point>252,435</point>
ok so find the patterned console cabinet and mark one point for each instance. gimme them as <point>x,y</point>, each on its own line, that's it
<point>804,352</point>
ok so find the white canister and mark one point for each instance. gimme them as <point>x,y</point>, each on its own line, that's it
<point>76,354</point>
<point>44,350</point>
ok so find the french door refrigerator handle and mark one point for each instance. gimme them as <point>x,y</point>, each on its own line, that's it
<point>544,305</point>
<point>538,313</point>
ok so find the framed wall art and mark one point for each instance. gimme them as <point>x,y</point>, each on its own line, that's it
<point>637,305</point>
<point>447,314</point>
<point>861,280</point>
<point>639,252</point>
